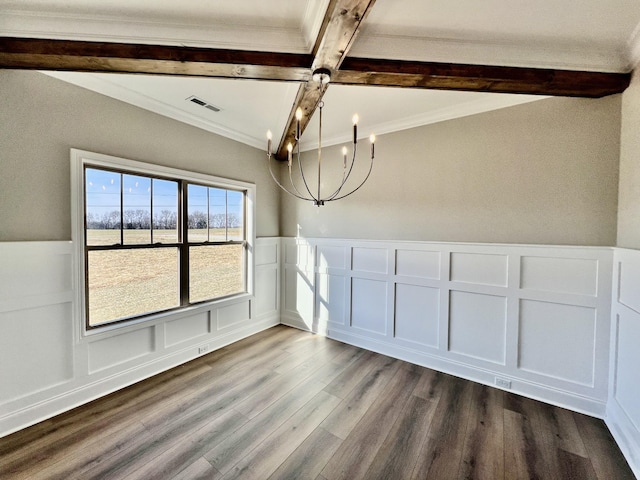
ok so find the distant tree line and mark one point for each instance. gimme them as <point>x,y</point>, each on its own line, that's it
<point>164,220</point>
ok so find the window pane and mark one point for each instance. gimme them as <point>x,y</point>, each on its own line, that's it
<point>217,215</point>
<point>235,215</point>
<point>125,283</point>
<point>215,271</point>
<point>165,211</point>
<point>197,215</point>
<point>102,207</point>
<point>136,214</point>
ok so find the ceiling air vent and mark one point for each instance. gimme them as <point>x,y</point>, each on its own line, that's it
<point>202,103</point>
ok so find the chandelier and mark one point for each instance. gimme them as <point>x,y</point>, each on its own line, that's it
<point>322,76</point>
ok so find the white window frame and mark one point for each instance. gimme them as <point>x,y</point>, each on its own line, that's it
<point>82,158</point>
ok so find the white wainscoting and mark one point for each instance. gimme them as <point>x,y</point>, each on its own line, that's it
<point>535,316</point>
<point>46,367</point>
<point>623,407</point>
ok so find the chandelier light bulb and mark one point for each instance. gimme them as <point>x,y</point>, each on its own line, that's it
<point>355,120</point>
<point>299,114</point>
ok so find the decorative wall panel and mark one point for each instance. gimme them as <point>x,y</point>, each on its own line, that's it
<point>483,269</point>
<point>369,305</point>
<point>330,298</point>
<point>122,348</point>
<point>563,275</point>
<point>417,314</point>
<point>418,263</point>
<point>557,340</point>
<point>233,314</point>
<point>36,350</point>
<point>185,329</point>
<point>374,260</point>
<point>477,326</point>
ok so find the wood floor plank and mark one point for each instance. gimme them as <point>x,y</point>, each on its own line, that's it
<point>575,467</point>
<point>352,375</point>
<point>429,385</point>
<point>606,458</point>
<point>76,455</point>
<point>217,396</point>
<point>199,470</point>
<point>560,425</point>
<point>398,455</point>
<point>266,396</point>
<point>344,418</point>
<point>308,460</point>
<point>442,451</point>
<point>359,449</point>
<point>302,359</point>
<point>188,449</point>
<point>273,451</point>
<point>176,427</point>
<point>483,451</point>
<point>517,451</point>
<point>238,444</point>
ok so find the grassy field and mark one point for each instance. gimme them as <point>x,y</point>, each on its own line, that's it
<point>125,283</point>
<point>136,237</point>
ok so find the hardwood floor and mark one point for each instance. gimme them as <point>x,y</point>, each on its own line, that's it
<point>286,404</point>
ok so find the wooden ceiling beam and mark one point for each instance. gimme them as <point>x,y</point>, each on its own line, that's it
<point>340,27</point>
<point>42,54</point>
<point>479,78</point>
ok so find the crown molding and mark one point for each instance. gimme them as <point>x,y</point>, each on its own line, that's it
<point>125,30</point>
<point>465,109</point>
<point>533,54</point>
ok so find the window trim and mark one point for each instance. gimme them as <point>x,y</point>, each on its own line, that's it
<point>81,159</point>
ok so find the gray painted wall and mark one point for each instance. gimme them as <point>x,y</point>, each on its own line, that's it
<point>541,173</point>
<point>41,118</point>
<point>629,200</point>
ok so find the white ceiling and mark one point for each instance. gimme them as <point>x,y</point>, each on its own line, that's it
<point>592,35</point>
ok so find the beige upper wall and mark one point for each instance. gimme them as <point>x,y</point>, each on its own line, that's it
<point>41,118</point>
<point>629,196</point>
<point>539,173</point>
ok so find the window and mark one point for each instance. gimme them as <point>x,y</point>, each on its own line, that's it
<point>156,239</point>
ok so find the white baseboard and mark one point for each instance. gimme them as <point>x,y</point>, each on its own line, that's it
<point>625,434</point>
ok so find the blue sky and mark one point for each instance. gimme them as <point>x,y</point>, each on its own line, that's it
<point>103,195</point>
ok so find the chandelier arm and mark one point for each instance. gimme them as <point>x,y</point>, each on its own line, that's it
<point>358,187</point>
<point>294,185</point>
<point>306,185</point>
<point>282,186</point>
<point>344,180</point>
<point>345,175</point>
